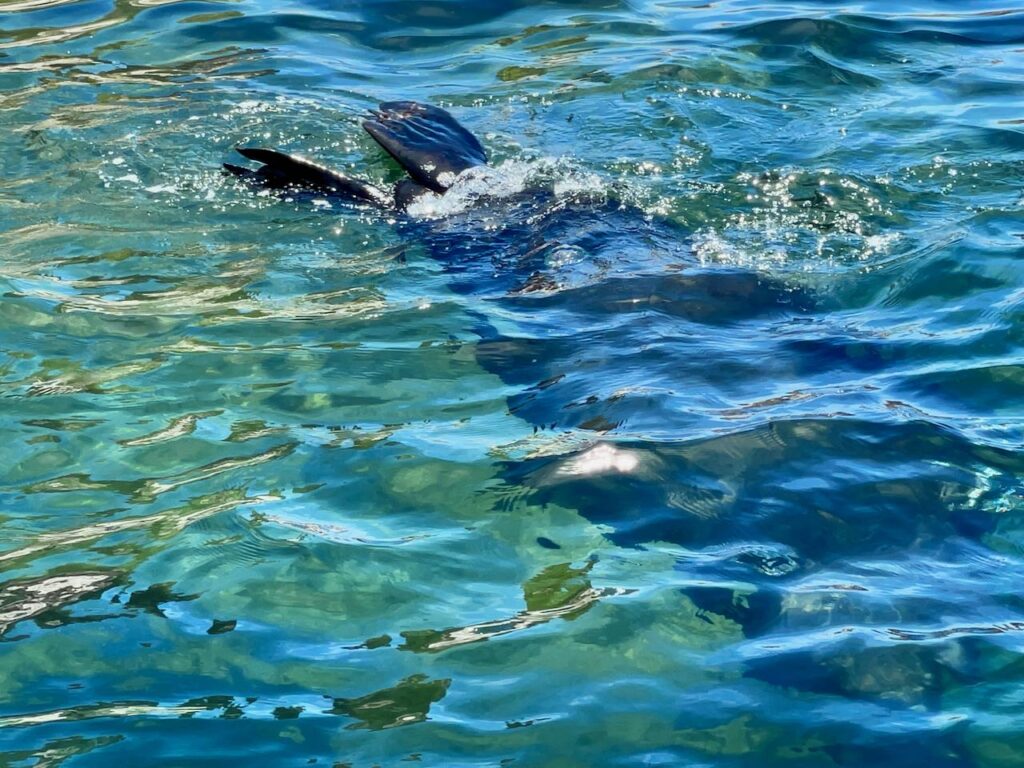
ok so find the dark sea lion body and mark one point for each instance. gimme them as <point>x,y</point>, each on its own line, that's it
<point>590,292</point>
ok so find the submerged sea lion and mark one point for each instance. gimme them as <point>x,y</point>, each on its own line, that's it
<point>591,311</point>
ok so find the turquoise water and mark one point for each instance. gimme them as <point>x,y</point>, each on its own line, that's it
<point>698,442</point>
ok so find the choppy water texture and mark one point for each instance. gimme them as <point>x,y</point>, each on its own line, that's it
<point>704,451</point>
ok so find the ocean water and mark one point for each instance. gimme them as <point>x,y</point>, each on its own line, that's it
<point>691,432</point>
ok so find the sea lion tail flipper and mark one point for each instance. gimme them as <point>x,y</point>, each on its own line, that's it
<point>426,141</point>
<point>294,173</point>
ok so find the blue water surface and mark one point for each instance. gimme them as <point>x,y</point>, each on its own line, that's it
<point>689,433</point>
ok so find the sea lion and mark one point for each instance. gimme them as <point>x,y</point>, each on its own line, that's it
<point>591,311</point>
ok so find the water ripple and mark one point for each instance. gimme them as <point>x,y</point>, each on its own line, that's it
<point>686,433</point>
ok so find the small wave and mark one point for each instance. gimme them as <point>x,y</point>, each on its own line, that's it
<point>164,523</point>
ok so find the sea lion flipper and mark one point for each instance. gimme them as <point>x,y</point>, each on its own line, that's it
<point>291,172</point>
<point>426,141</point>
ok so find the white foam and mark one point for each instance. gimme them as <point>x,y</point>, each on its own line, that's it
<point>510,178</point>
